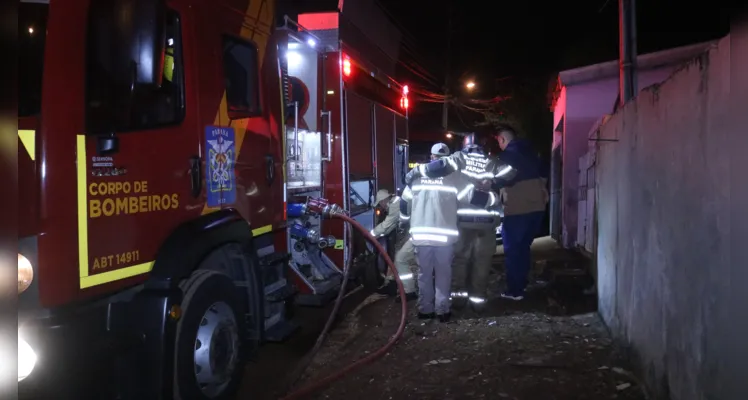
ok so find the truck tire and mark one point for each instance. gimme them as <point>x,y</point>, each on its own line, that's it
<point>209,358</point>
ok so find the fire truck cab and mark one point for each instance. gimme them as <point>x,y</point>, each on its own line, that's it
<point>165,150</point>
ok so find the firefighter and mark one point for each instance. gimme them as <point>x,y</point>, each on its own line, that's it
<point>391,205</point>
<point>477,241</point>
<point>404,257</point>
<point>524,197</point>
<point>433,231</point>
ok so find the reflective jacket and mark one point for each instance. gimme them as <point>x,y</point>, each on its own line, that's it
<point>475,166</point>
<point>434,203</point>
<point>391,220</point>
<point>523,189</point>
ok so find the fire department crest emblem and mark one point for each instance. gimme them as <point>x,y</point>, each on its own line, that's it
<point>220,160</point>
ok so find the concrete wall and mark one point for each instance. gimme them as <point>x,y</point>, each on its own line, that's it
<point>664,225</point>
<point>584,104</point>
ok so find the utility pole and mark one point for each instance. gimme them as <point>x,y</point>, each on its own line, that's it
<point>627,50</point>
<point>445,106</point>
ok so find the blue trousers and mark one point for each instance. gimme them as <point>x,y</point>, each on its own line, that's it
<point>518,233</point>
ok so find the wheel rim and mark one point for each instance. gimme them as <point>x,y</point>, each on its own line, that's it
<point>216,349</point>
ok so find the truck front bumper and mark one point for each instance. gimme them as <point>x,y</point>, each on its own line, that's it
<point>112,349</point>
<point>64,357</point>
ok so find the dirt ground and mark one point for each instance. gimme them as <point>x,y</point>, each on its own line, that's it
<point>551,346</point>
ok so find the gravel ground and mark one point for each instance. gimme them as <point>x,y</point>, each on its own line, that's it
<point>550,346</point>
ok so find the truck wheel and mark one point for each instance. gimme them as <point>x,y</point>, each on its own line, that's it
<point>208,354</point>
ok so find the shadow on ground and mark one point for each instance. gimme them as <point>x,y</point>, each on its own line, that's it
<point>268,376</point>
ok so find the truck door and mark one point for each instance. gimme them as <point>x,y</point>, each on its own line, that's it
<point>384,123</point>
<point>303,67</point>
<point>137,172</point>
<point>401,153</point>
<point>359,120</point>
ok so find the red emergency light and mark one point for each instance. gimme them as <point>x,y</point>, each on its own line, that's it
<point>346,65</point>
<point>404,103</point>
<point>405,90</point>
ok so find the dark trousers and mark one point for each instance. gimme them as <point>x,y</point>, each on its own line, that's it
<point>518,233</point>
<point>388,242</point>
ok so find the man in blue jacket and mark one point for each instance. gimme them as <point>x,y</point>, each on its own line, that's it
<point>524,196</point>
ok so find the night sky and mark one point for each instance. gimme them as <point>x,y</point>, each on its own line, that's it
<point>516,48</point>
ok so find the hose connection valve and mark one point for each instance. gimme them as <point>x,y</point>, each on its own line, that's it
<point>302,233</point>
<point>323,207</point>
<point>313,206</point>
<point>326,241</point>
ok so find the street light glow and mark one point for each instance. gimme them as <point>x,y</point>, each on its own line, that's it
<point>470,85</point>
<point>449,136</point>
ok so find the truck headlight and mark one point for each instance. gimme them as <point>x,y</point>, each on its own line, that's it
<point>25,273</point>
<point>26,359</point>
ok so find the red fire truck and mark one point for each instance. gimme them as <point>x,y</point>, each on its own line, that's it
<point>166,149</point>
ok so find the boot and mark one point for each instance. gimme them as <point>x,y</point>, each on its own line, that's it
<point>388,289</point>
<point>444,318</point>
<point>426,316</point>
<point>408,297</point>
<point>478,308</point>
<point>459,303</point>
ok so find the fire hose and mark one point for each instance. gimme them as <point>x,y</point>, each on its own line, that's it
<point>309,357</point>
<point>323,208</point>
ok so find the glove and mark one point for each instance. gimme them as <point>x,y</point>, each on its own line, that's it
<point>410,176</point>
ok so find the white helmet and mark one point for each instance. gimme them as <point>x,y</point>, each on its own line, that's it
<point>440,149</point>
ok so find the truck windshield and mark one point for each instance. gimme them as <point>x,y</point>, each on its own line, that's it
<point>32,30</point>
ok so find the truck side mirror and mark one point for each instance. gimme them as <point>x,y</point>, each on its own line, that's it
<point>127,39</point>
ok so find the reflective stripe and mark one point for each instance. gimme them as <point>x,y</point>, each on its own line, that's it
<point>459,294</point>
<point>481,175</point>
<point>404,217</point>
<point>429,237</point>
<point>494,201</point>
<point>372,233</point>
<point>405,277</point>
<point>422,169</point>
<point>453,163</point>
<point>262,230</point>
<point>438,188</point>
<point>438,231</point>
<point>28,139</point>
<point>504,171</point>
<point>465,191</point>
<point>86,279</point>
<point>477,300</point>
<point>477,212</point>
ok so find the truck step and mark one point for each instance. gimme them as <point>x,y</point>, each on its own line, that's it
<point>278,294</point>
<point>274,259</point>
